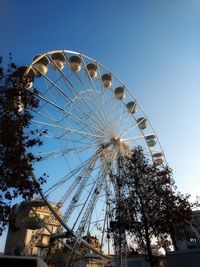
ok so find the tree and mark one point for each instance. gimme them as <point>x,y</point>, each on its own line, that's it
<point>149,205</point>
<point>16,160</point>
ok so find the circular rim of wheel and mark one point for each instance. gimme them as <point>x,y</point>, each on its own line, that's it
<point>142,123</point>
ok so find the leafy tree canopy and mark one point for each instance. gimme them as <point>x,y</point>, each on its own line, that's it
<point>16,163</point>
<point>148,204</point>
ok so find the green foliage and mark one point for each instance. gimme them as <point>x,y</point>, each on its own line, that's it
<point>15,161</point>
<point>148,203</point>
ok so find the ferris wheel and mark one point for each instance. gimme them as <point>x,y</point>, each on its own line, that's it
<point>89,117</point>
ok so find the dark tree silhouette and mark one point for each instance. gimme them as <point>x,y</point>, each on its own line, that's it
<point>149,204</point>
<point>16,160</point>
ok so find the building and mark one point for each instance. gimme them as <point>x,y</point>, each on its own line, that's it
<point>192,236</point>
<point>32,238</point>
<point>94,242</point>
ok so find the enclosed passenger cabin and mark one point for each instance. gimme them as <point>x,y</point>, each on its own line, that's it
<point>142,123</point>
<point>131,107</point>
<point>41,65</point>
<point>106,80</point>
<point>119,93</point>
<point>58,60</point>
<point>75,63</point>
<point>92,70</point>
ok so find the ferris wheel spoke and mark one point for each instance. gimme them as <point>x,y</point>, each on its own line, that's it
<point>92,113</point>
<point>76,171</point>
<point>116,116</point>
<point>54,154</point>
<point>106,112</point>
<point>74,117</point>
<point>96,107</point>
<point>109,113</point>
<point>49,118</point>
<point>78,107</point>
<point>73,205</point>
<point>69,84</point>
<point>101,216</point>
<point>89,206</point>
<point>92,102</point>
<point>107,220</point>
<point>67,129</point>
<point>65,135</point>
<point>109,110</point>
<point>62,136</point>
<point>121,123</point>
<point>83,140</point>
<point>76,188</point>
<point>127,131</point>
<point>135,138</point>
<point>60,184</point>
<point>69,192</point>
<point>77,195</point>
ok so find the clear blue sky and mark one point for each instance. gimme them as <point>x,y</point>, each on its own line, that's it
<point>153,46</point>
